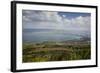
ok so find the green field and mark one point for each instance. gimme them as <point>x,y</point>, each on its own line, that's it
<point>56,51</point>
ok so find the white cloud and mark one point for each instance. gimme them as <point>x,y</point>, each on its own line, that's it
<point>64,16</point>
<point>52,20</point>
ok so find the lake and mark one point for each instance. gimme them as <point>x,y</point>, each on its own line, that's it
<point>41,35</point>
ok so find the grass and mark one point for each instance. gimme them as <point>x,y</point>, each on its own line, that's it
<point>56,51</point>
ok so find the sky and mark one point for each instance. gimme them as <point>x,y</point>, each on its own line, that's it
<point>72,21</point>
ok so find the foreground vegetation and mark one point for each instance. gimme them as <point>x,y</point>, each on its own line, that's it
<point>56,51</point>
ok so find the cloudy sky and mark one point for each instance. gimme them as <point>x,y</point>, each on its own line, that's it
<point>74,21</point>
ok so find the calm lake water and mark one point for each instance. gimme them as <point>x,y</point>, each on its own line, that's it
<point>41,35</point>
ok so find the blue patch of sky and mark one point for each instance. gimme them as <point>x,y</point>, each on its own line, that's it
<point>70,15</point>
